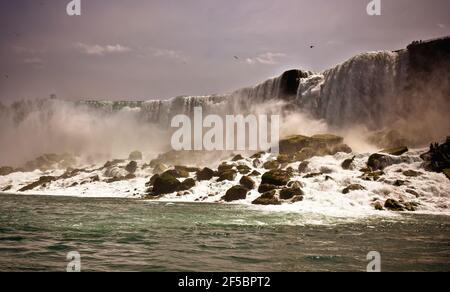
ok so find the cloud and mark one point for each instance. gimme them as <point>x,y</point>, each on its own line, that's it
<point>268,58</point>
<point>442,26</point>
<point>170,54</point>
<point>98,50</point>
<point>34,61</point>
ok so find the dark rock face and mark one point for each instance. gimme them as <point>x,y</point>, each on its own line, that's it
<point>247,182</point>
<point>394,205</point>
<point>44,180</point>
<point>303,167</point>
<point>236,193</point>
<point>6,170</point>
<point>289,83</point>
<point>229,175</point>
<point>187,184</point>
<point>276,177</point>
<point>378,206</point>
<point>438,158</point>
<point>380,162</point>
<point>152,180</point>
<point>447,172</point>
<point>205,174</point>
<point>351,188</point>
<point>131,167</point>
<point>348,163</point>
<point>166,184</point>
<point>135,155</point>
<point>268,198</point>
<point>264,188</point>
<point>289,193</point>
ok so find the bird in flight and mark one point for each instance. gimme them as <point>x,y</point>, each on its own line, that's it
<point>312,47</point>
<point>236,57</point>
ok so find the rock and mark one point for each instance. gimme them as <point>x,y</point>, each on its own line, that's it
<point>305,153</point>
<point>293,144</point>
<point>268,198</point>
<point>411,206</point>
<point>399,183</point>
<point>264,188</point>
<point>289,193</point>
<point>437,159</point>
<point>41,182</point>
<point>243,169</point>
<point>110,164</point>
<point>187,184</point>
<point>236,193</point>
<point>247,182</point>
<point>276,177</point>
<point>257,163</point>
<point>372,175</point>
<point>205,174</point>
<point>412,173</point>
<point>115,172</point>
<point>393,205</point>
<point>284,158</point>
<point>446,172</point>
<point>166,184</point>
<point>7,188</point>
<point>413,192</point>
<point>255,173</point>
<point>295,184</point>
<point>353,187</point>
<point>6,170</point>
<point>135,155</point>
<point>186,169</point>
<point>378,206</point>
<point>177,173</point>
<point>159,168</point>
<point>396,151</point>
<point>229,175</point>
<point>380,161</point>
<point>312,175</point>
<point>131,167</point>
<point>224,167</point>
<point>348,163</point>
<point>273,164</point>
<point>303,167</point>
<point>257,155</point>
<point>152,180</point>
<point>238,158</point>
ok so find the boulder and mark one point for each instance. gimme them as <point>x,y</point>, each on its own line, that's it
<point>7,188</point>
<point>254,173</point>
<point>447,172</point>
<point>187,184</point>
<point>289,193</point>
<point>380,161</point>
<point>229,175</point>
<point>236,193</point>
<point>237,158</point>
<point>257,155</point>
<point>131,167</point>
<point>398,151</point>
<point>165,184</point>
<point>273,164</point>
<point>284,158</point>
<point>257,163</point>
<point>353,187</point>
<point>437,159</point>
<point>268,198</point>
<point>378,206</point>
<point>372,175</point>
<point>303,167</point>
<point>412,173</point>
<point>135,155</point>
<point>44,180</point>
<point>247,182</point>
<point>348,163</point>
<point>276,177</point>
<point>152,180</point>
<point>306,153</point>
<point>243,169</point>
<point>205,174</point>
<point>293,144</point>
<point>264,188</point>
<point>393,205</point>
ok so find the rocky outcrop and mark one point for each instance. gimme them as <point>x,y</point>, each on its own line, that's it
<point>205,174</point>
<point>276,177</point>
<point>166,184</point>
<point>291,193</point>
<point>43,181</point>
<point>268,198</point>
<point>437,159</point>
<point>236,193</point>
<point>6,170</point>
<point>247,182</point>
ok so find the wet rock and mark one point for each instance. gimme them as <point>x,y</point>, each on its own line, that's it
<point>247,182</point>
<point>273,164</point>
<point>396,151</point>
<point>289,193</point>
<point>378,206</point>
<point>372,175</point>
<point>303,167</point>
<point>284,158</point>
<point>446,172</point>
<point>268,198</point>
<point>229,175</point>
<point>6,170</point>
<point>264,188</point>
<point>7,188</point>
<point>44,180</point>
<point>305,153</point>
<point>276,177</point>
<point>312,175</point>
<point>177,173</point>
<point>205,174</point>
<point>413,192</point>
<point>293,144</point>
<point>255,173</point>
<point>295,184</point>
<point>399,183</point>
<point>236,193</point>
<point>135,155</point>
<point>257,163</point>
<point>187,184</point>
<point>411,206</point>
<point>348,163</point>
<point>243,169</point>
<point>238,158</point>
<point>131,167</point>
<point>353,187</point>
<point>393,205</point>
<point>437,159</point>
<point>166,184</point>
<point>380,161</point>
<point>412,173</point>
<point>257,155</point>
<point>152,180</point>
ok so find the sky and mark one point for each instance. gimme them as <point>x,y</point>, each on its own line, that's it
<point>156,49</point>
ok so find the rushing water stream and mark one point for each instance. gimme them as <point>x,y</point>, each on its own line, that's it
<point>37,232</point>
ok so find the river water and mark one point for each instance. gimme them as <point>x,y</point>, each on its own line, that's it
<point>37,233</point>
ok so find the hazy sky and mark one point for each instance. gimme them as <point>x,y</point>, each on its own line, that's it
<point>148,49</point>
